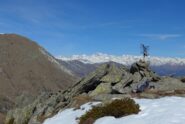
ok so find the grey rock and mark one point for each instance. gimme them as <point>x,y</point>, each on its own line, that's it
<point>103,88</point>
<point>122,86</point>
<point>141,86</point>
<point>107,73</point>
<point>136,77</point>
<point>168,83</point>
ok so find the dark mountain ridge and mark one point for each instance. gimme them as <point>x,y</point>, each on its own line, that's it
<point>83,69</point>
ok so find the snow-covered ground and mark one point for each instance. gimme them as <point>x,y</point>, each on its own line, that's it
<point>69,116</point>
<point>167,110</point>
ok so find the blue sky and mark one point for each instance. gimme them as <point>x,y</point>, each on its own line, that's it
<point>67,27</point>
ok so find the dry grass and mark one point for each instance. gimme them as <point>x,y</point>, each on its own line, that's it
<point>117,108</point>
<point>80,100</point>
<point>2,118</point>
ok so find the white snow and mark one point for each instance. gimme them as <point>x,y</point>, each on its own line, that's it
<point>123,59</point>
<point>167,110</point>
<point>69,116</point>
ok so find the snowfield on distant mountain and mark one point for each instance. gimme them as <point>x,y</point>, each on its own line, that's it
<point>123,59</point>
<point>167,110</point>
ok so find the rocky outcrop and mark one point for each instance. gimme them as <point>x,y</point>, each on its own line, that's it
<point>107,82</point>
<point>111,78</point>
<point>109,74</point>
<point>46,105</point>
<point>142,68</point>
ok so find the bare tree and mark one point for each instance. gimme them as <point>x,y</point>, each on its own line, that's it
<point>144,51</point>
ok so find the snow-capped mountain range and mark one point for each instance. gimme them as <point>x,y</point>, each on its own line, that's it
<point>123,59</point>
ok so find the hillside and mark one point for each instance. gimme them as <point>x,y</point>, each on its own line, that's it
<point>26,68</point>
<point>79,68</point>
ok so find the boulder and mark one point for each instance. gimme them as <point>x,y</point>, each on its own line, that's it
<point>107,73</point>
<point>123,86</point>
<point>142,68</point>
<point>141,86</point>
<point>103,88</point>
<point>136,77</point>
<point>113,74</point>
<point>139,66</point>
<point>169,83</point>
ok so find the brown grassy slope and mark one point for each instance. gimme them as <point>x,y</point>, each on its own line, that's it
<point>25,67</point>
<point>2,117</point>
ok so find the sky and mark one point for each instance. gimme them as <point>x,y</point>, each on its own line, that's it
<point>117,27</point>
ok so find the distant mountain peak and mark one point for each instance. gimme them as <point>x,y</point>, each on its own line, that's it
<point>123,59</point>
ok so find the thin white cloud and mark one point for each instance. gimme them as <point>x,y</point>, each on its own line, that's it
<point>106,24</point>
<point>31,11</point>
<point>118,24</point>
<point>161,36</point>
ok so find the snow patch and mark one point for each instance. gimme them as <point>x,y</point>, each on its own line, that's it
<point>167,110</point>
<point>69,116</point>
